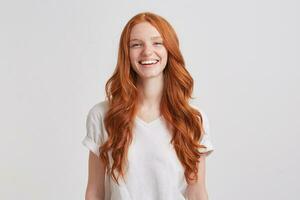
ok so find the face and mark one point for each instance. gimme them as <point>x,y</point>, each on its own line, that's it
<point>148,55</point>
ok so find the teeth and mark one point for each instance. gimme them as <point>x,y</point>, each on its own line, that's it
<point>148,62</point>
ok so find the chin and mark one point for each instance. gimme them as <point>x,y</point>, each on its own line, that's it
<point>150,75</point>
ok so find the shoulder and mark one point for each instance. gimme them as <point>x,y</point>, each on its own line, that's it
<point>99,109</point>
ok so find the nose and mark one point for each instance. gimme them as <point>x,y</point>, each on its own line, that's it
<point>147,50</point>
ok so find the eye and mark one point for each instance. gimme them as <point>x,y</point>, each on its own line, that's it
<point>135,45</point>
<point>158,43</point>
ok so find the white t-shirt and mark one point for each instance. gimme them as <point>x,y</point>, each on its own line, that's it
<point>154,171</point>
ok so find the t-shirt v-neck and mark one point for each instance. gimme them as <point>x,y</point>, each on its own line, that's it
<point>152,158</point>
<point>148,124</point>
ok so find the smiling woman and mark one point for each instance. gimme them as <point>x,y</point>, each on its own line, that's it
<point>146,140</point>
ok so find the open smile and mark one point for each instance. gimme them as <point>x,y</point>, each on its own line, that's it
<point>148,63</point>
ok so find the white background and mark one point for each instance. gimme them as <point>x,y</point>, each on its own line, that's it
<point>56,56</point>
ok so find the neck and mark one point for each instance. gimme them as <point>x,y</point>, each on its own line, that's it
<point>150,91</point>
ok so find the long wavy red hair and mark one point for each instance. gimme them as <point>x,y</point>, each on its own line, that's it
<point>121,93</point>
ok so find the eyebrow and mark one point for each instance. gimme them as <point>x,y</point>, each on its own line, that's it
<point>152,38</point>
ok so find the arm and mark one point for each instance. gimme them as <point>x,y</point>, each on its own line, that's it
<point>197,190</point>
<point>96,176</point>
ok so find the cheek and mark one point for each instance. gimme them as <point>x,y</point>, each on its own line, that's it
<point>133,56</point>
<point>164,53</point>
<point>164,56</point>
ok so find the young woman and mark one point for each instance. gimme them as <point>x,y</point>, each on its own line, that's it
<point>146,141</point>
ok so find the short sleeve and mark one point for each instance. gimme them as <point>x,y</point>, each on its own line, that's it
<point>94,131</point>
<point>206,138</point>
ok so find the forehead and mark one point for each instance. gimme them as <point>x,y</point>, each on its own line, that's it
<point>144,30</point>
